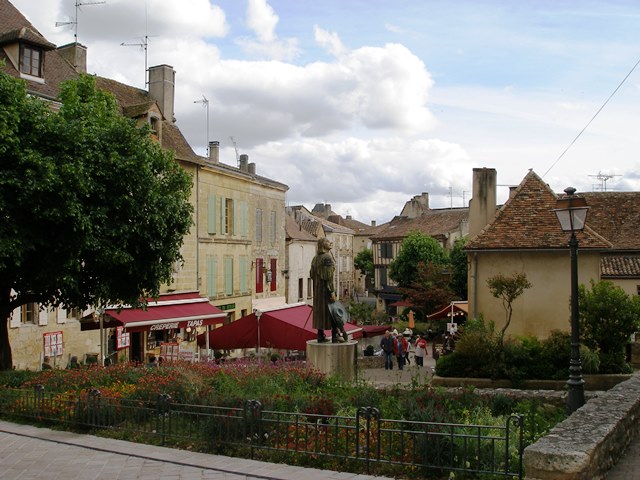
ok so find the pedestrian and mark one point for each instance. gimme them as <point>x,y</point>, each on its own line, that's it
<point>387,350</point>
<point>406,346</point>
<point>153,363</point>
<point>420,350</point>
<point>399,343</point>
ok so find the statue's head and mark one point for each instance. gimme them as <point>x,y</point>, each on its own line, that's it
<point>324,245</point>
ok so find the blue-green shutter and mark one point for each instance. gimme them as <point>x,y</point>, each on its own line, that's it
<point>244,263</point>
<point>211,214</point>
<point>228,276</point>
<point>212,272</point>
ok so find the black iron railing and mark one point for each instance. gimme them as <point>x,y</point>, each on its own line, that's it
<point>366,442</point>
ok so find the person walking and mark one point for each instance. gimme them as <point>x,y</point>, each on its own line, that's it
<point>387,350</point>
<point>420,350</point>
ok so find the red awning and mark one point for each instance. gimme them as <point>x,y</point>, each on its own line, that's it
<point>401,303</point>
<point>171,310</point>
<point>288,328</point>
<point>375,330</point>
<point>458,309</point>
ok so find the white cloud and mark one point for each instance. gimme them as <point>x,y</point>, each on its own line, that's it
<point>329,41</point>
<point>262,20</point>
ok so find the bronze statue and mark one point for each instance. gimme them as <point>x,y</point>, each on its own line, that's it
<point>322,271</point>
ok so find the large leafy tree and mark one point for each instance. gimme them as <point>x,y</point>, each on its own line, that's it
<point>608,317</point>
<point>363,261</point>
<point>93,210</point>
<point>416,248</point>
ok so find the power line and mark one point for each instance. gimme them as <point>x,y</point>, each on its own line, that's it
<point>592,118</point>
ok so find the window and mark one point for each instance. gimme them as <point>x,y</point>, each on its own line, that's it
<point>258,225</point>
<point>228,276</point>
<point>29,314</point>
<point>274,274</point>
<point>31,60</point>
<point>259,275</point>
<point>228,216</point>
<point>153,123</point>
<point>300,289</point>
<point>386,250</point>
<point>272,223</point>
<point>309,288</point>
<point>74,314</point>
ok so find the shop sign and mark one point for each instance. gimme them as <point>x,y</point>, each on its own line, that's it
<point>228,306</point>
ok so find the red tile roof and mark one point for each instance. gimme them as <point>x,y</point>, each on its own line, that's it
<point>527,221</point>
<point>435,222</point>
<point>620,266</point>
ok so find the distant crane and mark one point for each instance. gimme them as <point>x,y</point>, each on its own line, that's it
<point>74,22</point>
<point>603,178</point>
<point>235,146</point>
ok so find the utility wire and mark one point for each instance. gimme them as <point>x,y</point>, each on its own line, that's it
<point>592,118</point>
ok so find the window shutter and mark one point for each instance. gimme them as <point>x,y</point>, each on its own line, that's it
<point>236,219</point>
<point>212,272</point>
<point>244,210</point>
<point>274,274</point>
<point>259,276</point>
<point>15,318</point>
<point>228,276</point>
<point>211,214</point>
<point>243,274</point>
<point>43,315</point>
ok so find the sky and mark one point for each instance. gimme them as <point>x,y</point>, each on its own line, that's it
<point>363,104</point>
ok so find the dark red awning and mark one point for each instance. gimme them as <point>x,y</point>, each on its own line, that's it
<point>458,309</point>
<point>171,310</point>
<point>288,328</point>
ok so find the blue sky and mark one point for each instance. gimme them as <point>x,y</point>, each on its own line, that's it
<point>364,104</point>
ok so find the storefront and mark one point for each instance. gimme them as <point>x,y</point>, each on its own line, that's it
<point>167,328</point>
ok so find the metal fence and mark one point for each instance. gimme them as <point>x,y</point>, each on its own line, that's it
<point>365,442</point>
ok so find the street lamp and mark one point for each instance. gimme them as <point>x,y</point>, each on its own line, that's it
<point>571,211</point>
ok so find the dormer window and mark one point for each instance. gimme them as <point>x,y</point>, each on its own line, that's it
<point>153,123</point>
<point>31,60</point>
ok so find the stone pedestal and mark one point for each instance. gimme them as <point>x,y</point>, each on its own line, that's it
<point>333,358</point>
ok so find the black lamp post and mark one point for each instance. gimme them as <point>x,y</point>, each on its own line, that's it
<point>572,214</point>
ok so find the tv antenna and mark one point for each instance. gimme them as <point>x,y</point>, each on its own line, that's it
<point>144,44</point>
<point>74,22</point>
<point>235,146</point>
<point>603,178</point>
<point>205,104</point>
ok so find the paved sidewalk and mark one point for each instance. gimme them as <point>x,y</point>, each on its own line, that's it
<point>32,453</point>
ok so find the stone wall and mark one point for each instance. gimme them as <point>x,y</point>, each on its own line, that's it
<point>588,443</point>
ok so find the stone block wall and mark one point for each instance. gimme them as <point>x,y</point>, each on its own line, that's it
<point>588,443</point>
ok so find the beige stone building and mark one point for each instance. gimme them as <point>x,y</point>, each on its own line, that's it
<point>525,236</point>
<point>301,247</point>
<point>234,254</point>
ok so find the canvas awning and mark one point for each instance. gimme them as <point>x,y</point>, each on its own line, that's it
<point>455,309</point>
<point>171,310</point>
<point>288,328</point>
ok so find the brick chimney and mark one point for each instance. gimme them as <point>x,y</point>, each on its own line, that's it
<point>162,81</point>
<point>76,55</point>
<point>482,206</point>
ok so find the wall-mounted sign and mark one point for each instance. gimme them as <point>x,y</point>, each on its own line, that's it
<point>228,306</point>
<point>52,343</point>
<point>123,339</point>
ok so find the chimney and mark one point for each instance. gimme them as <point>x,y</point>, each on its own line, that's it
<point>214,151</point>
<point>349,217</point>
<point>252,168</point>
<point>512,191</point>
<point>482,206</point>
<point>76,55</point>
<point>162,82</point>
<point>373,223</point>
<point>244,162</point>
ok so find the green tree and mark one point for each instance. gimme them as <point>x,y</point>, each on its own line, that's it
<point>608,317</point>
<point>363,261</point>
<point>508,289</point>
<point>416,248</point>
<point>459,266</point>
<point>429,290</point>
<point>93,210</point>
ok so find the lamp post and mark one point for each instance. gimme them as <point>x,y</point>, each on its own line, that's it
<point>98,316</point>
<point>571,211</point>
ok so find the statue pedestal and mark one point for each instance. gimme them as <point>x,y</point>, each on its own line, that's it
<point>333,358</point>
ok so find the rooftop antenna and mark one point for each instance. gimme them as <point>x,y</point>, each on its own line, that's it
<point>603,178</point>
<point>144,44</point>
<point>235,145</point>
<point>205,104</point>
<point>75,20</point>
